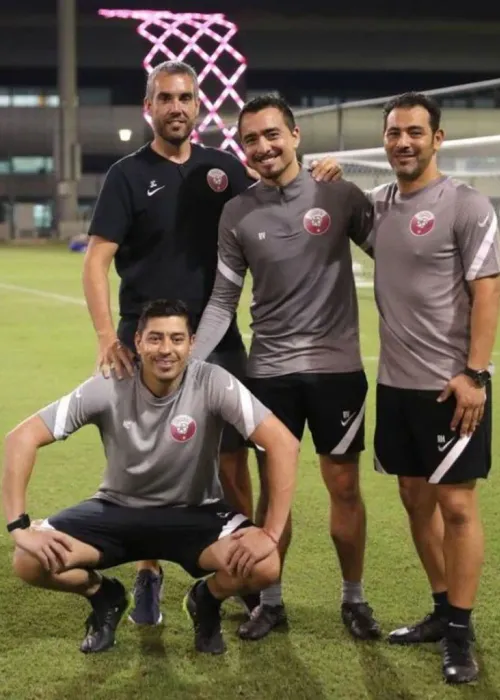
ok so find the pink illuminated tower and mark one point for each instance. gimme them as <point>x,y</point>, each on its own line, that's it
<point>203,41</point>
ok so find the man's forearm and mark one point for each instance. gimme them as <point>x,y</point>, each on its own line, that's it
<point>217,317</point>
<point>97,295</point>
<point>213,327</point>
<point>483,322</point>
<point>281,469</point>
<point>18,464</point>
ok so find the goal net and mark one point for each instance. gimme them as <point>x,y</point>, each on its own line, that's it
<point>475,161</point>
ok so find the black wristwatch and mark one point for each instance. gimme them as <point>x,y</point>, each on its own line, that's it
<point>480,377</point>
<point>22,523</point>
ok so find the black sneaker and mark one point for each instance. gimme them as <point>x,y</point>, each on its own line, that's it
<point>359,620</point>
<point>429,630</point>
<point>147,595</point>
<point>263,619</point>
<point>459,664</point>
<point>101,624</point>
<point>206,620</point>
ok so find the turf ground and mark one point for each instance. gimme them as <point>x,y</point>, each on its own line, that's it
<point>47,348</point>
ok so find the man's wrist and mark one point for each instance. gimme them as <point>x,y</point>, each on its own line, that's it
<point>108,334</point>
<point>22,522</point>
<point>272,535</point>
<point>480,377</point>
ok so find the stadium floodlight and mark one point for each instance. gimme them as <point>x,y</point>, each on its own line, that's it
<point>125,134</point>
<point>206,37</point>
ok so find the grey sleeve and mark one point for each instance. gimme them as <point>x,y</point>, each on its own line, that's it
<point>230,399</point>
<point>476,233</point>
<point>83,406</point>
<point>361,220</point>
<point>219,312</point>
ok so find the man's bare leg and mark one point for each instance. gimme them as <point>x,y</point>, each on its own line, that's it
<point>203,601</point>
<point>427,528</point>
<point>107,597</point>
<point>348,533</point>
<point>270,613</point>
<point>236,482</point>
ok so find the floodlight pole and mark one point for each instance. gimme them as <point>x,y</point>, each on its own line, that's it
<point>67,152</point>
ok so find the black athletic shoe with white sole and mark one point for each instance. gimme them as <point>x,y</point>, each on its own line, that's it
<point>429,630</point>
<point>147,596</point>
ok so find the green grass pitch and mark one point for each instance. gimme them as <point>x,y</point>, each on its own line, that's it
<point>48,347</point>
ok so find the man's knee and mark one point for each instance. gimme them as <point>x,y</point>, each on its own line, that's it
<point>341,477</point>
<point>26,567</point>
<point>458,504</point>
<point>418,496</point>
<point>267,571</point>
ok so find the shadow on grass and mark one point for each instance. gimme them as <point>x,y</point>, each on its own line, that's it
<point>270,669</point>
<point>384,681</point>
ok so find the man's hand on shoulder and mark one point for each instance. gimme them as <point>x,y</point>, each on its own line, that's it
<point>326,170</point>
<point>114,356</point>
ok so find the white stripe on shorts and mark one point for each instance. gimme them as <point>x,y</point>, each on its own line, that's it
<point>378,465</point>
<point>232,525</point>
<point>350,434</point>
<point>450,459</point>
<point>44,525</point>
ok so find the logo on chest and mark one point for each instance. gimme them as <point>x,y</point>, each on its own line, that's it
<point>317,221</point>
<point>182,428</point>
<point>422,223</point>
<point>217,180</point>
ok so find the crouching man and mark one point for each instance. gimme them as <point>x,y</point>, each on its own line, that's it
<point>160,497</point>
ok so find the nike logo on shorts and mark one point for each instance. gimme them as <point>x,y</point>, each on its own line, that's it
<point>442,448</point>
<point>345,421</point>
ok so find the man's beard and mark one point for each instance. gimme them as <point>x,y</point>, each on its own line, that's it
<point>174,139</point>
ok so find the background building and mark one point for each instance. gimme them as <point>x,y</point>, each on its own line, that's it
<point>323,57</point>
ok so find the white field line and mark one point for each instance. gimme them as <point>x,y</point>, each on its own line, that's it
<point>81,302</point>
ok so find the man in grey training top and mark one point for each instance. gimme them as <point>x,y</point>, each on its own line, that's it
<point>437,286</point>
<point>294,235</point>
<point>161,497</point>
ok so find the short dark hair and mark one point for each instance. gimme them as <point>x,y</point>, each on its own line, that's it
<point>162,308</point>
<point>257,104</point>
<point>415,99</point>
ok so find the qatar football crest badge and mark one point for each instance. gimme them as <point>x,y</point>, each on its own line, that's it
<point>182,428</point>
<point>317,221</point>
<point>422,223</point>
<point>217,180</point>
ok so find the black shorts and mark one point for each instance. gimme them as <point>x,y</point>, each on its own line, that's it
<point>413,438</point>
<point>123,534</point>
<point>233,360</point>
<point>332,405</point>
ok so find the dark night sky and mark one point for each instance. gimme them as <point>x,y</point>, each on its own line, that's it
<point>478,11</point>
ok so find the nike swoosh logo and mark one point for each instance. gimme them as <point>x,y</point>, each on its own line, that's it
<point>442,448</point>
<point>151,192</point>
<point>230,386</point>
<point>483,223</point>
<point>345,422</point>
<point>78,393</point>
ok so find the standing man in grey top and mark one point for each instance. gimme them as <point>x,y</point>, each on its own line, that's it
<point>161,496</point>
<point>437,286</point>
<point>294,235</point>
